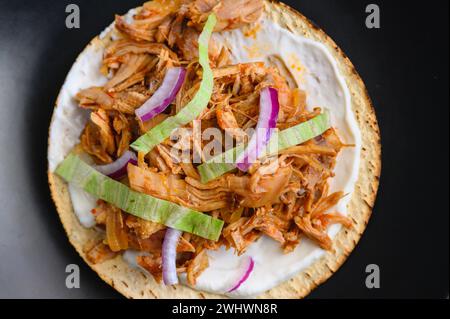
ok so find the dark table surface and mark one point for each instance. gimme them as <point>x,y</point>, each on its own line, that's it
<point>404,65</point>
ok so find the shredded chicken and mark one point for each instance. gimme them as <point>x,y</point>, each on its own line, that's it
<point>285,196</point>
<point>172,188</point>
<point>196,266</point>
<point>231,14</point>
<point>116,235</point>
<point>95,98</point>
<point>99,253</point>
<point>143,228</point>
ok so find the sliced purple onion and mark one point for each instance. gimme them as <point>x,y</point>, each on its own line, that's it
<point>248,271</point>
<point>118,169</point>
<point>169,256</point>
<point>164,95</point>
<point>267,122</point>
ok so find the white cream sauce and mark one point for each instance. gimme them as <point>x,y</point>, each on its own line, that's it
<point>314,70</point>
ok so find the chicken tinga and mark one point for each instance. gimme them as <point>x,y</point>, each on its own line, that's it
<point>171,199</point>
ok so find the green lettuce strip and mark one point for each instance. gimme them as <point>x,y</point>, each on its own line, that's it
<point>194,108</point>
<point>76,171</point>
<point>293,136</point>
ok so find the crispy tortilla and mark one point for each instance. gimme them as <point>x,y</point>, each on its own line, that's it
<point>133,283</point>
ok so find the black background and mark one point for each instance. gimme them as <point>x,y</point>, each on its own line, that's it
<point>404,65</point>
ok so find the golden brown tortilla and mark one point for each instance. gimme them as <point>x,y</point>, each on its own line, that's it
<point>133,283</point>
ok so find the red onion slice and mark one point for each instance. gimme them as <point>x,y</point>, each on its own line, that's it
<point>267,122</point>
<point>165,94</point>
<point>169,256</point>
<point>248,271</point>
<point>118,169</point>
